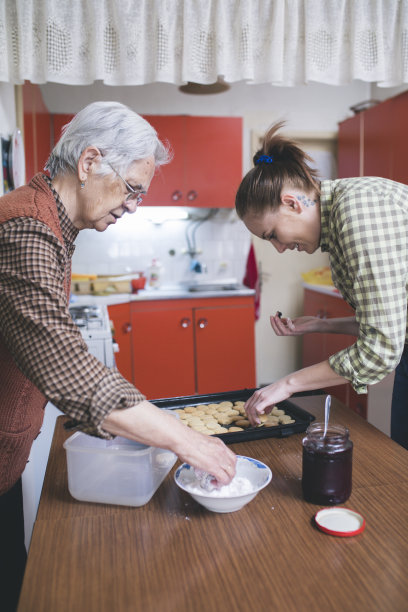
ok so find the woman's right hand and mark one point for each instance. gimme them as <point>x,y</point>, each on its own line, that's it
<point>209,454</point>
<point>284,326</point>
<point>153,426</point>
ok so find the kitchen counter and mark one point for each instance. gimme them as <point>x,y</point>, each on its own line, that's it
<point>327,289</point>
<point>173,555</point>
<point>174,293</point>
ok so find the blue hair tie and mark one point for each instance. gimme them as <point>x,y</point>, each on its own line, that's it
<point>264,159</point>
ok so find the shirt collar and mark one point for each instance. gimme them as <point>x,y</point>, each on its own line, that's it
<point>326,200</point>
<point>68,229</point>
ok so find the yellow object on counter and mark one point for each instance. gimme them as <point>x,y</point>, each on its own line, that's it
<point>83,277</point>
<point>318,276</point>
<point>92,284</point>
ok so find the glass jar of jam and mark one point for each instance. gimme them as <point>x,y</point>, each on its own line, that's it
<point>327,464</point>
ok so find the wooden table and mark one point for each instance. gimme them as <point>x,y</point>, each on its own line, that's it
<point>173,555</point>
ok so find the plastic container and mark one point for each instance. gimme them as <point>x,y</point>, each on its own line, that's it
<point>154,274</point>
<point>327,464</point>
<point>117,471</point>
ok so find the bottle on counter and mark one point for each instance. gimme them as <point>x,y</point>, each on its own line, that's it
<point>154,274</point>
<point>327,464</point>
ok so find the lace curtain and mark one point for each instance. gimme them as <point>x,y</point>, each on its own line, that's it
<point>133,42</point>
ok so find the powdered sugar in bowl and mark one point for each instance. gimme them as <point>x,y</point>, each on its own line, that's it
<point>251,476</point>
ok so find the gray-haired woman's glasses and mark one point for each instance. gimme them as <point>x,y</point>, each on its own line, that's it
<point>134,194</point>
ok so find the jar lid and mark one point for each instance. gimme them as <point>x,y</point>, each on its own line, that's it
<point>341,522</point>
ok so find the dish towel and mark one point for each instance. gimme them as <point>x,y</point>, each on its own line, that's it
<point>251,279</point>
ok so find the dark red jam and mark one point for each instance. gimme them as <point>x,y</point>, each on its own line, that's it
<point>327,465</point>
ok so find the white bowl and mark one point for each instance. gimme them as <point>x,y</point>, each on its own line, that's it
<point>255,471</point>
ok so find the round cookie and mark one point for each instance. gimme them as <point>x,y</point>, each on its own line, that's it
<point>242,423</point>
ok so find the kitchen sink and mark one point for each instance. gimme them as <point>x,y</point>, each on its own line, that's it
<point>214,287</point>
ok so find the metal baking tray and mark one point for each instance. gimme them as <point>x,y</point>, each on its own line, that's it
<point>301,417</point>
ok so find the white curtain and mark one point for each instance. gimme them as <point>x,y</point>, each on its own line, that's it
<point>133,42</point>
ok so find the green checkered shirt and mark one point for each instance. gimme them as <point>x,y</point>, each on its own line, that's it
<point>364,228</point>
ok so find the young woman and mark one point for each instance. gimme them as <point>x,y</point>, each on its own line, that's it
<point>363,225</point>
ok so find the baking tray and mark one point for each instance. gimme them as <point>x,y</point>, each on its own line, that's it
<point>301,417</point>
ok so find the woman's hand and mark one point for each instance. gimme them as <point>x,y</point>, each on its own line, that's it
<point>317,376</point>
<point>150,425</point>
<point>209,454</point>
<point>264,399</point>
<point>284,326</point>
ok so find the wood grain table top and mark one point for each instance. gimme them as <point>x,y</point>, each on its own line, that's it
<point>173,555</point>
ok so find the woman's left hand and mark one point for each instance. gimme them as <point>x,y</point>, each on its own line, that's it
<point>264,399</point>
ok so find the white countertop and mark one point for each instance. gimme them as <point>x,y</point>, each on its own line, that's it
<point>328,289</point>
<point>159,294</point>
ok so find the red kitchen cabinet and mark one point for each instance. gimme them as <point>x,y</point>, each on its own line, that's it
<point>398,129</point>
<point>377,149</point>
<point>349,160</point>
<point>37,130</point>
<point>373,142</point>
<point>119,314</point>
<point>318,347</point>
<point>163,350</point>
<point>224,347</point>
<point>206,168</point>
<point>58,122</point>
<point>207,165</point>
<point>187,347</point>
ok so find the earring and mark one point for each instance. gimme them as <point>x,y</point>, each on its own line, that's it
<point>82,184</point>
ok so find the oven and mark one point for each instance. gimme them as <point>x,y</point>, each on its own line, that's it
<point>94,324</point>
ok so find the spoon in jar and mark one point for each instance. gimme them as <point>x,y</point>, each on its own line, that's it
<point>326,414</point>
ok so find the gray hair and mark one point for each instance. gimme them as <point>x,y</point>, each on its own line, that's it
<point>121,135</point>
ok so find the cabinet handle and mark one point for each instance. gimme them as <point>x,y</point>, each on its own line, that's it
<point>202,323</point>
<point>176,195</point>
<point>126,328</point>
<point>322,314</point>
<point>185,323</point>
<point>192,195</point>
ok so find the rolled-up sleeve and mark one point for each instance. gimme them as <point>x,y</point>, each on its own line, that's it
<point>370,256</point>
<point>37,329</point>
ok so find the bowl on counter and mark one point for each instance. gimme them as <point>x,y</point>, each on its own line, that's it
<point>251,477</point>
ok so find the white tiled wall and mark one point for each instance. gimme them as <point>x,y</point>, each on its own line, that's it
<point>131,244</point>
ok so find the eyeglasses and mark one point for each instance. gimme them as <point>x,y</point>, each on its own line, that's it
<point>133,193</point>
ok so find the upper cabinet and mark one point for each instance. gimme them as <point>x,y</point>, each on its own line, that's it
<point>206,169</point>
<point>37,130</point>
<point>373,142</point>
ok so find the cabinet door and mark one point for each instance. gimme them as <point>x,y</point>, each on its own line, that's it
<point>225,348</point>
<point>122,334</point>
<point>167,188</point>
<point>58,122</point>
<point>377,153</point>
<point>318,347</point>
<point>350,147</point>
<point>399,128</point>
<point>37,130</point>
<point>163,352</point>
<point>213,168</point>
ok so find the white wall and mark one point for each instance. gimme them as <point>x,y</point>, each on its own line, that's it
<point>309,109</point>
<point>7,109</point>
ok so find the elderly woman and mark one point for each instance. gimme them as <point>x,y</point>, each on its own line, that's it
<point>362,224</point>
<point>98,171</point>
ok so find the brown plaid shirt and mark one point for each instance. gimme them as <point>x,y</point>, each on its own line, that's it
<point>38,330</point>
<point>364,230</point>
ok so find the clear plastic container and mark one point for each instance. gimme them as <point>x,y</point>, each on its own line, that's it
<point>117,471</point>
<point>327,464</point>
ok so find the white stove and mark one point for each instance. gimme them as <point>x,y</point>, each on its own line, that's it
<point>94,324</point>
